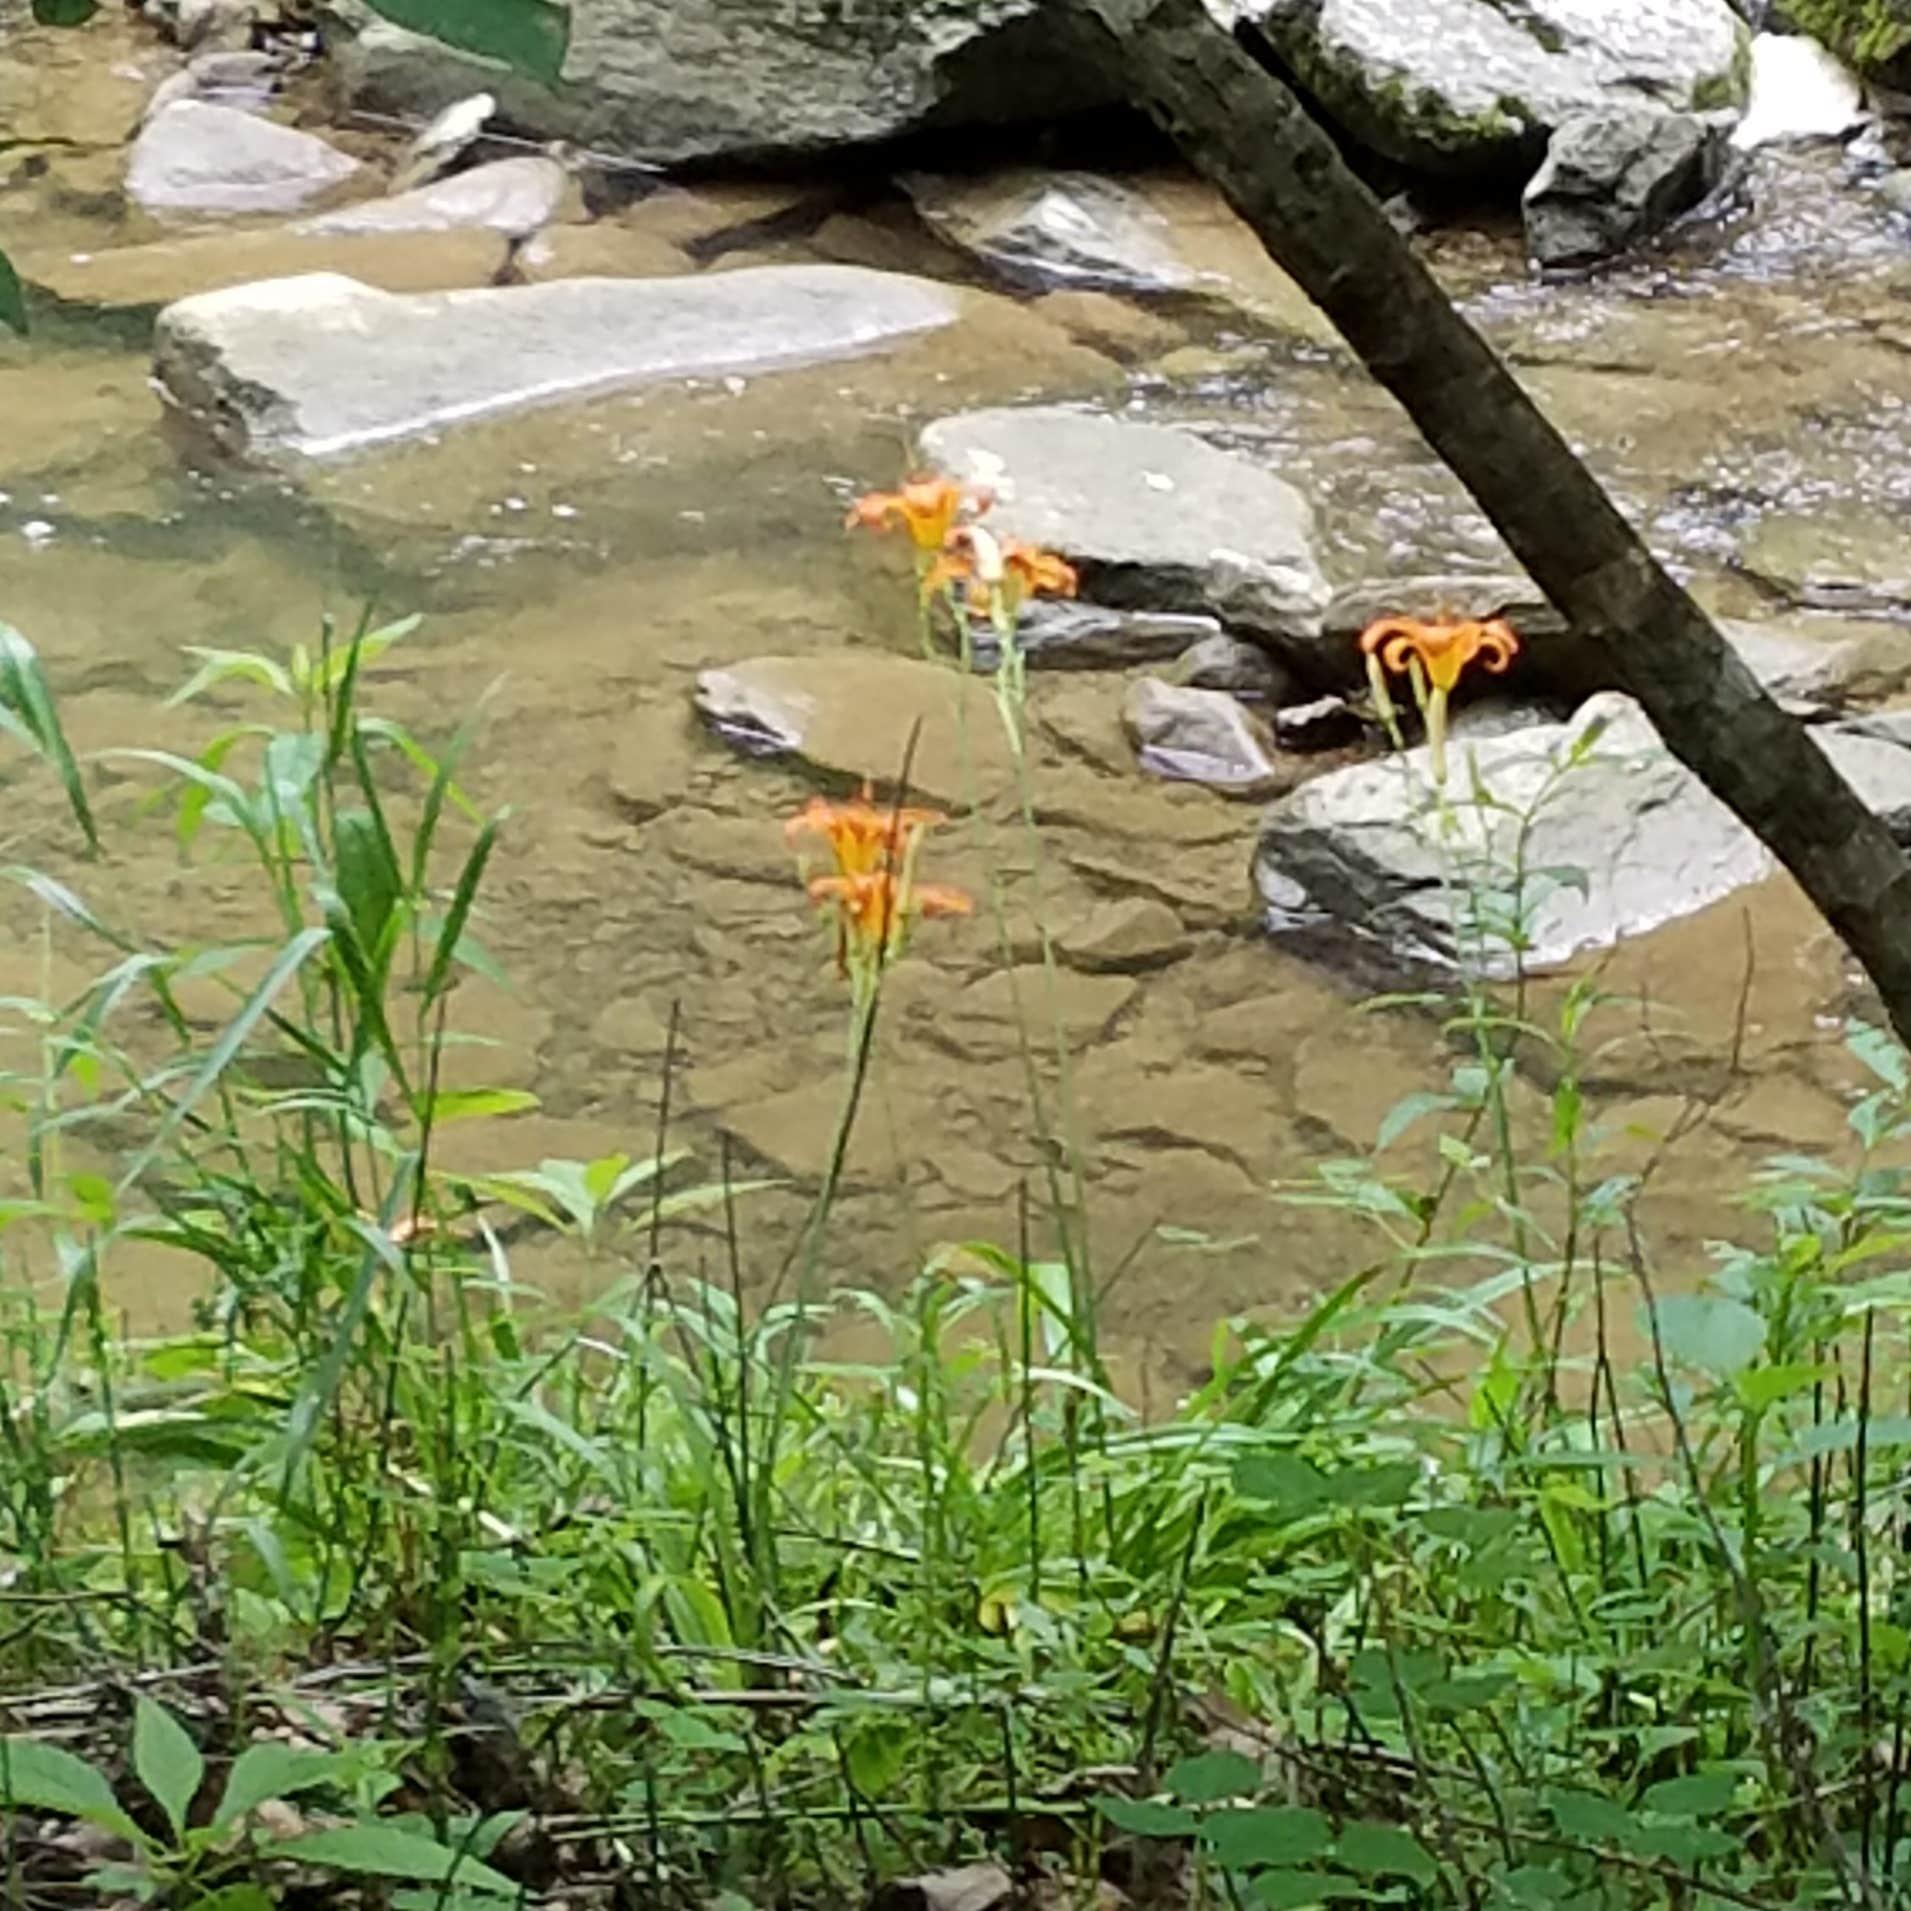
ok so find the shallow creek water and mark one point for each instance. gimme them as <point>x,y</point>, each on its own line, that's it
<point>1744,395</point>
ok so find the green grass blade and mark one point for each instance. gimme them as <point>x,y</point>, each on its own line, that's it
<point>219,1058</point>
<point>27,697</point>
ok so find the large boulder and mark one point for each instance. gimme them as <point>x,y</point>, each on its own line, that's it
<point>1618,844</point>
<point>199,158</point>
<point>672,81</point>
<point>1477,86</point>
<point>317,366</point>
<point>1156,518</point>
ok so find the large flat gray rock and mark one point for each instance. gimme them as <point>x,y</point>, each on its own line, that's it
<point>677,80</point>
<point>1156,518</point>
<point>1370,848</point>
<point>318,366</point>
<point>201,158</point>
<point>1457,86</point>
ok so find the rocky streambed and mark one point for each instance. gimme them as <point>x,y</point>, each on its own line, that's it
<point>601,426</point>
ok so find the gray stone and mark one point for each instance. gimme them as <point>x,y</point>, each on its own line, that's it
<point>1614,177</point>
<point>1459,86</point>
<point>246,80</point>
<point>1325,723</point>
<point>1155,517</point>
<point>1800,90</point>
<point>1066,634</point>
<point>1056,229</point>
<point>1803,673</point>
<point>1221,662</point>
<point>1199,736</point>
<point>1367,847</point>
<point>671,81</point>
<point>197,157</point>
<point>516,197</point>
<point>316,366</point>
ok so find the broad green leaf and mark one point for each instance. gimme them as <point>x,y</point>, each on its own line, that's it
<point>1587,1816</point>
<point>875,1753</point>
<point>690,1731</point>
<point>368,881</point>
<point>374,1850</point>
<point>1266,1835</point>
<point>1210,1776</point>
<point>1763,1386</point>
<point>1709,1331</point>
<point>13,303</point>
<point>1297,1890</point>
<point>168,1763</point>
<point>64,13</point>
<point>1376,1850</point>
<point>234,1897</point>
<point>1285,1479</point>
<point>1703,1795</point>
<point>1146,1817</point>
<point>268,1770</point>
<point>1682,1842</point>
<point>530,36</point>
<point>49,1778</point>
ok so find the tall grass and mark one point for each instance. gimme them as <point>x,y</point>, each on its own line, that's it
<point>1516,1571</point>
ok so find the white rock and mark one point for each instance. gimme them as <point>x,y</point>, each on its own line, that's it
<point>516,197</point>
<point>197,157</point>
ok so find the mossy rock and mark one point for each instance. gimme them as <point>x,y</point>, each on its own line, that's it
<point>1873,35</point>
<point>1476,87</point>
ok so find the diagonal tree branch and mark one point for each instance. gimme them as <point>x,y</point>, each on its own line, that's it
<point>1233,116</point>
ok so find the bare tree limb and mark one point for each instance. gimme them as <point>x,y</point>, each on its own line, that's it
<point>1225,104</point>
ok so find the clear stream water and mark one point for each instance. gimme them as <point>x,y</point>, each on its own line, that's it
<point>1744,394</point>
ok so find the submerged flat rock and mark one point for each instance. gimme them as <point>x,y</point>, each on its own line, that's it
<point>1157,518</point>
<point>511,196</point>
<point>320,365</point>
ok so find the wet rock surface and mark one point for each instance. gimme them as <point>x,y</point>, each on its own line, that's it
<point>1632,840</point>
<point>1157,518</point>
<point>1614,177</point>
<point>514,197</point>
<point>1474,85</point>
<point>1066,634</point>
<point>317,366</point>
<point>1199,736</point>
<point>195,157</point>
<point>670,81</point>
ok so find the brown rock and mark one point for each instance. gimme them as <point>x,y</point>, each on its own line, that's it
<point>851,714</point>
<point>989,1020</point>
<point>1124,937</point>
<point>606,250</point>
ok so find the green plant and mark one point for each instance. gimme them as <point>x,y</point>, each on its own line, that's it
<point>218,1858</point>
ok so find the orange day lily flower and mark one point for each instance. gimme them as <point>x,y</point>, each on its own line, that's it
<point>874,911</point>
<point>862,835</point>
<point>999,575</point>
<point>927,508</point>
<point>1434,655</point>
<point>1444,647</point>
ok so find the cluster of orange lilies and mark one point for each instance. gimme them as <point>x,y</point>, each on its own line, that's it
<point>995,576</point>
<point>871,890</point>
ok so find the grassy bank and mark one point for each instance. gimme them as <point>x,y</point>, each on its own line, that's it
<point>1518,1572</point>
